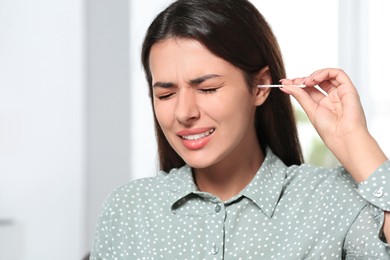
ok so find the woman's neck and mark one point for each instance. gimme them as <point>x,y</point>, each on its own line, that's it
<point>230,176</point>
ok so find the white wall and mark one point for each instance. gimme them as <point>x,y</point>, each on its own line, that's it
<point>42,123</point>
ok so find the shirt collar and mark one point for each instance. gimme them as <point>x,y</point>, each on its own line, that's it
<point>180,183</point>
<point>264,190</point>
<point>266,187</point>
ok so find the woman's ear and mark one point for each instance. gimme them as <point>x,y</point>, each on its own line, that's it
<point>263,77</point>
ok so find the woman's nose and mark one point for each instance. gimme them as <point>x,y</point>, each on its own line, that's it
<point>186,110</point>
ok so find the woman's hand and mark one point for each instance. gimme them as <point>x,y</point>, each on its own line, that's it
<point>339,119</point>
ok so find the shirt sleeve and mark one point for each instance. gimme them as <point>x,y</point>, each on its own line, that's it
<point>102,244</point>
<point>364,238</point>
<point>376,189</point>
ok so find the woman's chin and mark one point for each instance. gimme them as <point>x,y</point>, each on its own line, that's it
<point>200,163</point>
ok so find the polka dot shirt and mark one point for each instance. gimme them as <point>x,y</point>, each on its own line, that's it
<point>297,212</point>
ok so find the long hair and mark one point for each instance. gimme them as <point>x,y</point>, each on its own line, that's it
<point>235,31</point>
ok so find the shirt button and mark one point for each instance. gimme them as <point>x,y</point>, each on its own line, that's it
<point>217,208</point>
<point>214,249</point>
<point>378,192</point>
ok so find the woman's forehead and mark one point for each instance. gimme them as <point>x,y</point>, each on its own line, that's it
<point>186,57</point>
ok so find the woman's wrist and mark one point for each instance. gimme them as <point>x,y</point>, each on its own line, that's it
<point>360,154</point>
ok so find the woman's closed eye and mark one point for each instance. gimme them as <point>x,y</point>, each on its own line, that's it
<point>203,90</point>
<point>209,90</point>
<point>165,95</point>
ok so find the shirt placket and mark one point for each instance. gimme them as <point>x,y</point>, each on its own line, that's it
<point>217,227</point>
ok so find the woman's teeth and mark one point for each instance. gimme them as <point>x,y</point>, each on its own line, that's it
<point>198,136</point>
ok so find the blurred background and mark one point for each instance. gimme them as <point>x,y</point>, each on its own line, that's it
<point>75,117</point>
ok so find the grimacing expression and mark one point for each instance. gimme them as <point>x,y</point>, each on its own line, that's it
<point>202,103</point>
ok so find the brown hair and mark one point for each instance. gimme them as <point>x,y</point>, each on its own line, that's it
<point>235,31</point>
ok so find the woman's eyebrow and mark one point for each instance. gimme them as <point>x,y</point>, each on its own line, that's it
<point>195,81</point>
<point>163,84</point>
<point>201,79</point>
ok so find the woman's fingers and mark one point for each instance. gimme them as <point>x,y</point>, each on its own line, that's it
<point>302,96</point>
<point>327,103</point>
<point>336,76</point>
<point>341,106</point>
<point>314,93</point>
<point>328,80</point>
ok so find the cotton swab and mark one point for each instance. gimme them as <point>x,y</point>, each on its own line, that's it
<point>279,86</point>
<point>297,86</point>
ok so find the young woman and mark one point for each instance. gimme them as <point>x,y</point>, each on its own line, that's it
<point>232,184</point>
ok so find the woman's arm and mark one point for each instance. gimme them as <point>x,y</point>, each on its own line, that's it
<point>340,121</point>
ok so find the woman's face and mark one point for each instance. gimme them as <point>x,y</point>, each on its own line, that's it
<point>202,103</point>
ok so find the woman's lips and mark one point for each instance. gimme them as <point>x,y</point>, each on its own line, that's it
<point>195,139</point>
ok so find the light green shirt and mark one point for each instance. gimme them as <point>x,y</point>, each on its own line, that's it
<point>297,212</point>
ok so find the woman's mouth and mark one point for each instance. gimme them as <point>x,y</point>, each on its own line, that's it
<point>196,139</point>
<point>198,136</point>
